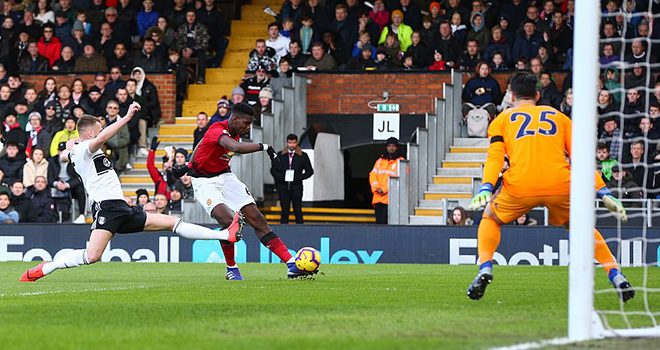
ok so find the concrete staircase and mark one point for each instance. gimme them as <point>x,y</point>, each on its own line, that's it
<point>461,168</point>
<point>204,97</point>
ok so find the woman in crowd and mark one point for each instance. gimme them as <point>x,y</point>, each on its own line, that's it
<point>482,88</point>
<point>42,12</point>
<point>459,217</point>
<point>78,91</point>
<point>168,33</point>
<point>149,93</point>
<point>37,165</point>
<point>48,93</point>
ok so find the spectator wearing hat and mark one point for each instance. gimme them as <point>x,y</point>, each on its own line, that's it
<point>142,197</point>
<point>387,165</point>
<point>514,11</point>
<point>319,60</point>
<point>21,110</point>
<point>264,105</point>
<point>365,38</point>
<point>36,165</point>
<point>438,61</point>
<point>33,62</point>
<point>90,61</point>
<point>77,39</point>
<point>383,61</point>
<point>193,41</point>
<point>277,41</point>
<point>49,45</point>
<point>65,184</point>
<point>611,136</point>
<point>202,126</point>
<point>38,137</point>
<point>94,103</point>
<point>65,63</point>
<point>149,93</point>
<point>362,61</point>
<point>180,160</point>
<point>294,167</point>
<point>69,132</point>
<point>528,41</point>
<point>176,196</point>
<point>403,31</point>
<point>237,96</point>
<point>222,113</point>
<point>508,32</point>
<point>252,86</point>
<point>12,162</point>
<point>62,26</point>
<point>12,131</point>
<point>51,123</point>
<point>622,185</point>
<point>156,176</point>
<point>263,56</point>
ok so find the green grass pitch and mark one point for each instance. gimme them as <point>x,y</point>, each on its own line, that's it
<point>191,306</point>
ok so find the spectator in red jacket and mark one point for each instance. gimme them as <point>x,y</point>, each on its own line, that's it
<point>49,45</point>
<point>156,176</point>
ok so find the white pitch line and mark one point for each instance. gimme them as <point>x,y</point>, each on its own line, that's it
<point>536,345</point>
<point>72,291</point>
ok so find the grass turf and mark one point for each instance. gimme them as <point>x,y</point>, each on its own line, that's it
<point>186,305</point>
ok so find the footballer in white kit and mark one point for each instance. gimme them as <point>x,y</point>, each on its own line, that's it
<point>111,213</point>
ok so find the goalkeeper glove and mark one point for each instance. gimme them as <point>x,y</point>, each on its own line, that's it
<point>482,198</point>
<point>612,204</point>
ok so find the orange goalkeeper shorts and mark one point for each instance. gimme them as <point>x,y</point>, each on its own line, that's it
<point>508,208</point>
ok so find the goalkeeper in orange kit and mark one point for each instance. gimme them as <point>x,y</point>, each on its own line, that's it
<point>536,139</point>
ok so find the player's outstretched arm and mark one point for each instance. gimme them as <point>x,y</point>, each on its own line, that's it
<point>241,147</point>
<point>492,169</point>
<point>110,131</point>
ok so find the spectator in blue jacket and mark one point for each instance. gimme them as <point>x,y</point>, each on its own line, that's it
<point>482,88</point>
<point>528,41</point>
<point>146,18</point>
<point>8,214</point>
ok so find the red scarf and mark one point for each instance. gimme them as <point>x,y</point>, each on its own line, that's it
<point>33,140</point>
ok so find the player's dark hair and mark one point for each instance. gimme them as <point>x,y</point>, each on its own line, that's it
<point>523,86</point>
<point>292,137</point>
<point>242,110</point>
<point>603,145</point>
<point>86,121</point>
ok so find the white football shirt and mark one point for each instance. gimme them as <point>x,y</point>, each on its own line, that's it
<point>98,176</point>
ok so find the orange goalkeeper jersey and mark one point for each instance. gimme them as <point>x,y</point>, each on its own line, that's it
<point>537,140</point>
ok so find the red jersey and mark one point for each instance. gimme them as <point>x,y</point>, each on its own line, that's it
<point>211,158</point>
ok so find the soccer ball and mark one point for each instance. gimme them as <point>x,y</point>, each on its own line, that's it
<point>308,259</point>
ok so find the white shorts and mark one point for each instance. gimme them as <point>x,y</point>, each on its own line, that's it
<point>224,189</point>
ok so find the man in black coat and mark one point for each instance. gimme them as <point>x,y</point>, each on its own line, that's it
<point>18,200</point>
<point>66,183</point>
<point>12,163</point>
<point>42,206</point>
<point>294,167</point>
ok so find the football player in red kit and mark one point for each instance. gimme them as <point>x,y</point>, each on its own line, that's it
<point>222,194</point>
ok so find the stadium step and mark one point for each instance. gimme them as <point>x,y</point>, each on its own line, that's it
<point>209,92</point>
<point>235,60</point>
<point>225,75</point>
<point>440,195</point>
<point>452,180</point>
<point>459,172</point>
<point>256,12</point>
<point>242,43</point>
<point>462,164</point>
<point>455,149</point>
<point>450,187</point>
<point>192,108</point>
<point>250,28</point>
<point>451,203</point>
<point>419,211</point>
<point>186,120</point>
<point>466,157</point>
<point>425,220</point>
<point>177,129</point>
<point>265,3</point>
<point>471,142</point>
<point>176,138</point>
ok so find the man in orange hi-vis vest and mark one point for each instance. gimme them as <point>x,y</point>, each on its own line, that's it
<point>387,165</point>
<point>536,139</point>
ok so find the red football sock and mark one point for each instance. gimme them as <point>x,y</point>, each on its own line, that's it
<point>275,244</point>
<point>228,249</point>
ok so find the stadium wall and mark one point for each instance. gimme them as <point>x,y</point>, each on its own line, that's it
<point>345,93</point>
<point>164,83</point>
<point>337,244</point>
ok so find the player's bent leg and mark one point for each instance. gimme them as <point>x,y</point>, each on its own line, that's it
<point>160,222</point>
<point>97,242</point>
<point>604,256</point>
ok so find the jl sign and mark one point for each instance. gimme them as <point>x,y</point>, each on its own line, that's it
<point>386,125</point>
